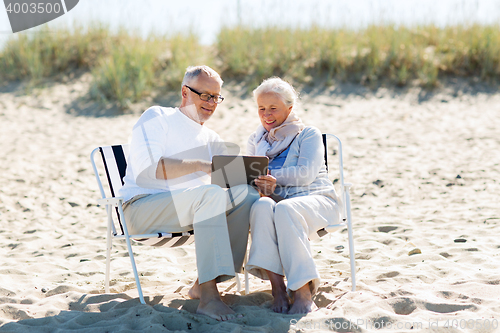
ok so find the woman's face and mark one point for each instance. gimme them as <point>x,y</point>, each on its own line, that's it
<point>272,110</point>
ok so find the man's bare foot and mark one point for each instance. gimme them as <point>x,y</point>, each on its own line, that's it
<point>211,304</point>
<point>217,310</point>
<point>302,301</point>
<point>281,302</point>
<point>194,292</point>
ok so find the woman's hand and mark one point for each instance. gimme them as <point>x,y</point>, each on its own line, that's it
<point>266,184</point>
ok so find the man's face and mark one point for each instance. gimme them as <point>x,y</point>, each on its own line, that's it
<point>197,109</point>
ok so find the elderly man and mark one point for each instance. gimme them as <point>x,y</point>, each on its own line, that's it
<point>167,187</point>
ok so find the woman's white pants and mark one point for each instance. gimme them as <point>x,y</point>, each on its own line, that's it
<point>281,233</point>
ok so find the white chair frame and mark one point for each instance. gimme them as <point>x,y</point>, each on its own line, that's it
<point>345,213</point>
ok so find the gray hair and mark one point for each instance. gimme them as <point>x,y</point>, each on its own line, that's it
<point>280,87</point>
<point>192,72</point>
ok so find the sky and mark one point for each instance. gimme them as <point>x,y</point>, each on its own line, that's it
<point>206,18</point>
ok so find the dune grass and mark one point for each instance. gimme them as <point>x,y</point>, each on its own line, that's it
<point>375,55</point>
<point>49,53</point>
<point>125,67</point>
<point>135,66</point>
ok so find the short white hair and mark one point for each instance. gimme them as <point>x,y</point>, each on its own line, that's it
<point>280,87</point>
<point>192,73</point>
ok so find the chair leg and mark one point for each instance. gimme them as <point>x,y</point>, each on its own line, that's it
<point>134,268</point>
<point>351,241</point>
<point>238,282</point>
<point>131,255</point>
<point>247,286</point>
<point>108,251</point>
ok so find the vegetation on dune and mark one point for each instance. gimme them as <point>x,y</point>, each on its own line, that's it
<point>48,53</point>
<point>125,67</point>
<point>375,55</point>
<point>135,67</point>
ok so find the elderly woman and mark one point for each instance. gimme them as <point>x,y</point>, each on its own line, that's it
<point>297,199</point>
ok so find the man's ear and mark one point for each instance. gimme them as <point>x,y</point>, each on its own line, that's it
<point>184,92</point>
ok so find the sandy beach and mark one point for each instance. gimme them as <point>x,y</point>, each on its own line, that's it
<point>426,175</point>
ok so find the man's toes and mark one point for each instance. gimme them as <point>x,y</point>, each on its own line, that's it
<point>229,317</point>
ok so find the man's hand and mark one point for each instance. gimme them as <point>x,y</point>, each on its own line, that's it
<point>205,166</point>
<point>169,168</point>
<point>266,184</point>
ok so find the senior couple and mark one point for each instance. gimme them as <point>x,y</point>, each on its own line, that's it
<point>167,188</point>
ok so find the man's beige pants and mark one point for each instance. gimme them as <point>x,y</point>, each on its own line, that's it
<point>219,217</point>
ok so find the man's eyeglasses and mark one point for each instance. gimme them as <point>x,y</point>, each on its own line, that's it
<point>207,97</point>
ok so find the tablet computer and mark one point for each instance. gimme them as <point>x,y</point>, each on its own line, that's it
<point>232,170</point>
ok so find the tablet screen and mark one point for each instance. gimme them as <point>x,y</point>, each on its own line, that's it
<point>232,170</point>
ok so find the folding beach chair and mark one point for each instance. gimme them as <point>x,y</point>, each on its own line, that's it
<point>115,163</point>
<point>345,211</point>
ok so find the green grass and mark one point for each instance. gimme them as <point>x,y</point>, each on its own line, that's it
<point>126,68</point>
<point>375,55</point>
<point>49,53</point>
<point>135,67</point>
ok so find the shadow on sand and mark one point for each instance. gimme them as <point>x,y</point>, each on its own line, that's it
<point>120,312</point>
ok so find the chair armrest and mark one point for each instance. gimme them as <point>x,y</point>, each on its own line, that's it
<point>347,185</point>
<point>335,227</point>
<point>113,201</point>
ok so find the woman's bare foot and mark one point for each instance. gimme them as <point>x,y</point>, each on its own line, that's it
<point>211,304</point>
<point>302,301</point>
<point>194,292</point>
<point>281,302</point>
